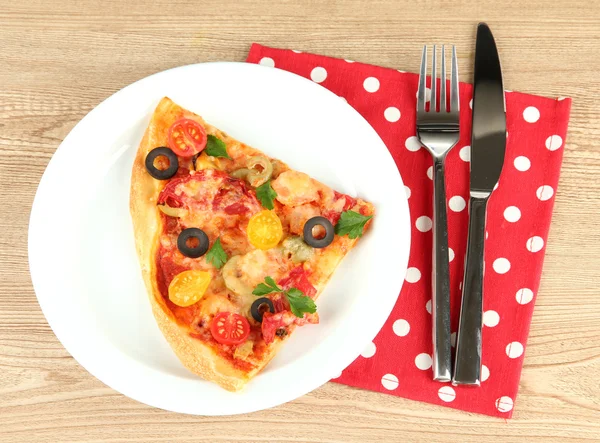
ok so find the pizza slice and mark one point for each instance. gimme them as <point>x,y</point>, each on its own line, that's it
<point>234,246</point>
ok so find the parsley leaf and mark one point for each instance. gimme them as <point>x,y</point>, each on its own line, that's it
<point>216,255</point>
<point>216,147</point>
<point>267,288</point>
<point>299,303</point>
<point>266,194</point>
<point>351,223</point>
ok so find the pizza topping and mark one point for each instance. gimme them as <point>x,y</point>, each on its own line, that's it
<point>352,223</point>
<point>297,278</point>
<point>187,137</point>
<point>265,230</point>
<point>162,163</point>
<point>299,303</point>
<point>295,188</point>
<point>260,306</point>
<point>192,242</point>
<point>277,324</point>
<point>311,239</point>
<point>260,170</point>
<point>200,162</point>
<point>172,212</point>
<point>188,287</point>
<point>257,172</point>
<point>340,203</point>
<point>229,328</point>
<point>215,147</point>
<point>297,250</point>
<point>266,195</point>
<point>217,255</point>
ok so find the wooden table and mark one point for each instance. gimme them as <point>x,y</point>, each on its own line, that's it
<point>59,59</point>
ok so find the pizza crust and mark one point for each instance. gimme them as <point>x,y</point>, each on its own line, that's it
<point>195,355</point>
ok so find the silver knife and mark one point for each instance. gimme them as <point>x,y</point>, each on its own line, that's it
<point>488,143</point>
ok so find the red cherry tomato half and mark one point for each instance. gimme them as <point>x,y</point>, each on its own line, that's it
<point>187,137</point>
<point>229,328</point>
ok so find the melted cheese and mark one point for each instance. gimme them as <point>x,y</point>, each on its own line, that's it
<point>295,188</point>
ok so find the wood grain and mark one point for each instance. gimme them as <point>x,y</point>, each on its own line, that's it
<point>61,58</point>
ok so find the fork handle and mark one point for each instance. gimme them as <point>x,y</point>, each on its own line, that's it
<point>440,306</point>
<point>467,366</point>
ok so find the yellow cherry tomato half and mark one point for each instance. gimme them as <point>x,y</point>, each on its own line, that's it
<point>265,230</point>
<point>188,287</point>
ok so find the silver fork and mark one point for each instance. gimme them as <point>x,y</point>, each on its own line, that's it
<point>438,131</point>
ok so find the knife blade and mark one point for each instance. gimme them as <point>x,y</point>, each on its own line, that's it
<point>488,145</point>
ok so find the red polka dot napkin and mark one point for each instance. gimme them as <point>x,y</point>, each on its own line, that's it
<point>398,362</point>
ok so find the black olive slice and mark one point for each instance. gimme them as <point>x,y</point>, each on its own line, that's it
<point>310,239</point>
<point>162,174</point>
<point>258,308</point>
<point>193,251</point>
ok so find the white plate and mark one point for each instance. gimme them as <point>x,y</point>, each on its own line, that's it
<point>81,248</point>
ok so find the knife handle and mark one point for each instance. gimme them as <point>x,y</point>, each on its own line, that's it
<point>440,306</point>
<point>467,365</point>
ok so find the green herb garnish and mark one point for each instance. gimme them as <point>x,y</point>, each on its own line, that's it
<point>266,194</point>
<point>216,147</point>
<point>216,255</point>
<point>299,303</point>
<point>352,223</point>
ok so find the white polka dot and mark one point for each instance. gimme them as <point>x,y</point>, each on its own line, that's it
<point>450,254</point>
<point>349,61</point>
<point>423,361</point>
<point>412,143</point>
<point>465,153</point>
<point>471,104</point>
<point>535,244</point>
<point>338,375</point>
<point>554,142</point>
<point>318,74</point>
<point>447,394</point>
<point>428,306</point>
<point>531,114</point>
<point>544,192</point>
<point>514,349</point>
<point>561,98</point>
<point>389,382</point>
<point>401,327</point>
<point>423,223</point>
<point>486,235</point>
<point>392,114</point>
<point>524,296</point>
<point>496,186</point>
<point>407,190</point>
<point>342,98</point>
<point>512,214</point>
<point>453,339</point>
<point>485,373</point>
<point>369,351</point>
<point>413,275</point>
<point>504,404</point>
<point>430,172</point>
<point>402,72</point>
<point>267,61</point>
<point>457,203</point>
<point>491,318</point>
<point>297,52</point>
<point>371,84</point>
<point>501,265</point>
<point>522,163</point>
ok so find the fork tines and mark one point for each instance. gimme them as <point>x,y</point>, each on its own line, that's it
<point>438,101</point>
